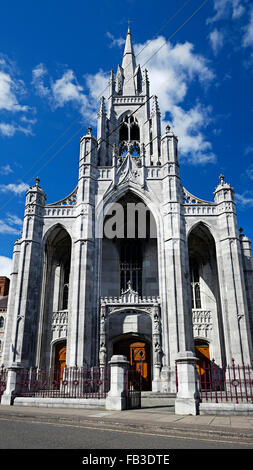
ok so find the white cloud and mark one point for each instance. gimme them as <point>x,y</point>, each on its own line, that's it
<point>67,90</point>
<point>97,85</point>
<point>6,228</point>
<point>12,225</point>
<point>14,219</point>
<point>5,170</point>
<point>11,89</point>
<point>248,32</point>
<point>9,130</point>
<point>249,172</point>
<point>38,75</point>
<point>216,39</point>
<point>171,72</point>
<point>249,149</point>
<point>118,42</point>
<point>5,266</point>
<point>244,200</point>
<point>227,8</point>
<point>8,99</point>
<point>192,143</point>
<point>18,188</point>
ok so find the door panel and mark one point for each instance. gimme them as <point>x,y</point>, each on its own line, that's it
<point>203,354</point>
<point>138,354</point>
<point>60,359</point>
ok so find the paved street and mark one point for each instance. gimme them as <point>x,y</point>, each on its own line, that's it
<point>27,434</point>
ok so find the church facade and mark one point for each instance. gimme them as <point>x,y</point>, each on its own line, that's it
<point>130,262</point>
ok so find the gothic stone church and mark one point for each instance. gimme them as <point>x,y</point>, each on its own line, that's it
<point>80,293</point>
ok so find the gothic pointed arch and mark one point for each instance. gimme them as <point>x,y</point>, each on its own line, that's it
<point>205,287</point>
<point>54,301</point>
<point>53,231</point>
<point>130,243</point>
<point>113,195</point>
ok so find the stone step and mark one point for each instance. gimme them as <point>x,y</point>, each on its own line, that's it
<point>158,395</point>
<point>158,400</point>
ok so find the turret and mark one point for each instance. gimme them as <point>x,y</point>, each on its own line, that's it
<point>169,143</point>
<point>87,163</point>
<point>101,133</point>
<point>156,130</point>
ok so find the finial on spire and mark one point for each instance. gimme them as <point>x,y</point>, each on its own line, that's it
<point>37,181</point>
<point>89,129</point>
<point>128,29</point>
<point>102,109</point>
<point>155,107</point>
<point>221,177</point>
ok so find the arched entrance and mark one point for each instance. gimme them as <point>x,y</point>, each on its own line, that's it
<point>60,359</point>
<point>138,355</point>
<point>205,288</point>
<point>54,294</point>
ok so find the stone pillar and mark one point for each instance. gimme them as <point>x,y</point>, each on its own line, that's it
<point>12,385</point>
<point>116,398</point>
<point>187,400</point>
<point>157,350</point>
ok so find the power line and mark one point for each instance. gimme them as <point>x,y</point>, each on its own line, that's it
<point>105,140</point>
<point>172,35</point>
<point>101,94</point>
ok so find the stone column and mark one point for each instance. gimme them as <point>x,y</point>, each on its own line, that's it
<point>12,385</point>
<point>117,398</point>
<point>103,339</point>
<point>187,400</point>
<point>157,350</point>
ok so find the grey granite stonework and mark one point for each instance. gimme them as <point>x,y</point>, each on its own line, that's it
<point>195,274</point>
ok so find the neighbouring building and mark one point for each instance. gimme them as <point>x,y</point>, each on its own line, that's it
<point>4,291</point>
<point>78,294</point>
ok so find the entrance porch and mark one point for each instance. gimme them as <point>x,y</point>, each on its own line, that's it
<point>130,325</point>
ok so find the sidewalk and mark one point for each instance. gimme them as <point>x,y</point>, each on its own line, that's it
<point>146,420</point>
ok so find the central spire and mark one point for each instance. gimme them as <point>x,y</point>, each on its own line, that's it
<point>129,66</point>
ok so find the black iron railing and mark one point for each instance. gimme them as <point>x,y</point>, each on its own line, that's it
<point>224,383</point>
<point>72,382</point>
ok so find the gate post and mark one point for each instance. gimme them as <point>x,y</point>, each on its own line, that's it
<point>12,385</point>
<point>187,400</point>
<point>116,399</point>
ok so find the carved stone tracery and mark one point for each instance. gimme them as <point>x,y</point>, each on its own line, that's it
<point>131,303</point>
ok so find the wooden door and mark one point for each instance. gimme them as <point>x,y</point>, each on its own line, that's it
<point>203,354</point>
<point>60,359</point>
<point>138,354</point>
<point>140,361</point>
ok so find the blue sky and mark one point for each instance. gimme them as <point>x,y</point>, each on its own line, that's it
<point>55,58</point>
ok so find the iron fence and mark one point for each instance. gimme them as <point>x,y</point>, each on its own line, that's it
<point>3,379</point>
<point>133,388</point>
<point>224,383</point>
<point>73,382</point>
